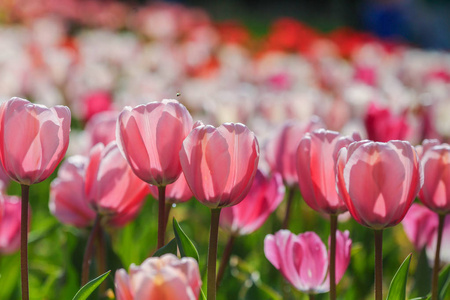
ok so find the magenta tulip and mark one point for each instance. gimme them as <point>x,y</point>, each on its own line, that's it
<point>303,260</point>
<point>33,139</point>
<point>163,278</point>
<point>68,199</point>
<point>10,224</point>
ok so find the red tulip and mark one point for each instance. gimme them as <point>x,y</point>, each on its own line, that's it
<point>33,139</point>
<point>113,190</point>
<point>10,224</point>
<point>263,198</point>
<point>378,181</point>
<point>316,160</point>
<point>280,152</point>
<point>176,192</point>
<point>163,278</point>
<point>220,163</point>
<point>68,200</point>
<point>150,137</point>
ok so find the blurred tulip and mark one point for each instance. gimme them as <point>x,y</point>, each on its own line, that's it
<point>263,198</point>
<point>176,192</point>
<point>33,139</point>
<point>303,260</point>
<point>101,128</point>
<point>68,200</point>
<point>150,137</point>
<point>96,102</point>
<point>4,179</point>
<point>316,161</point>
<point>220,163</point>
<point>420,224</point>
<point>444,255</point>
<point>113,191</point>
<point>10,224</point>
<point>280,151</point>
<point>378,181</point>
<point>163,278</point>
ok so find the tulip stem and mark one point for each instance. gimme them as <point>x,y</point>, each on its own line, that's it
<point>167,212</point>
<point>225,258</point>
<point>290,198</point>
<point>312,297</point>
<point>333,228</point>
<point>378,264</point>
<point>435,277</point>
<point>88,251</point>
<point>212,253</point>
<point>101,257</point>
<point>24,241</point>
<point>161,215</point>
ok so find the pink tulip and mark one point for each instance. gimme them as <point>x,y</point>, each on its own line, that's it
<point>113,190</point>
<point>303,260</point>
<point>101,128</point>
<point>280,152</point>
<point>420,224</point>
<point>96,102</point>
<point>10,224</point>
<point>68,200</point>
<point>4,179</point>
<point>378,181</point>
<point>163,278</point>
<point>435,193</point>
<point>176,192</point>
<point>316,160</point>
<point>220,163</point>
<point>33,139</point>
<point>426,145</point>
<point>263,198</point>
<point>150,137</point>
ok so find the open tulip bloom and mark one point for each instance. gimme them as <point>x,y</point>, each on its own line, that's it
<point>378,182</point>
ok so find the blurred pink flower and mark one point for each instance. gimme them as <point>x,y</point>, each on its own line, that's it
<point>101,128</point>
<point>10,224</point>
<point>176,192</point>
<point>445,244</point>
<point>420,224</point>
<point>96,102</point>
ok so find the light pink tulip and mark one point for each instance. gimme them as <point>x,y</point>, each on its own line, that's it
<point>150,137</point>
<point>263,198</point>
<point>435,193</point>
<point>220,163</point>
<point>281,150</point>
<point>163,278</point>
<point>176,192</point>
<point>33,139</point>
<point>303,260</point>
<point>10,224</point>
<point>101,128</point>
<point>68,200</point>
<point>420,224</point>
<point>378,181</point>
<point>4,179</point>
<point>316,161</point>
<point>113,190</point>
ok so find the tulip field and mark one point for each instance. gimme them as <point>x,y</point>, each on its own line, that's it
<point>152,152</point>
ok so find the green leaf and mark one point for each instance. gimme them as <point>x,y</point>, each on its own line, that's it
<point>397,289</point>
<point>185,245</point>
<point>171,247</point>
<point>89,287</point>
<point>202,295</point>
<point>444,282</point>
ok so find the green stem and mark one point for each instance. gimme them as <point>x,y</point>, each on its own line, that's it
<point>212,253</point>
<point>333,228</point>
<point>290,197</point>
<point>24,241</point>
<point>378,264</point>
<point>167,212</point>
<point>434,279</point>
<point>161,215</point>
<point>312,297</point>
<point>225,258</point>
<point>88,252</point>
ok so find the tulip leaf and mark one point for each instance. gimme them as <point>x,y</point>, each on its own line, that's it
<point>202,295</point>
<point>89,287</point>
<point>443,283</point>
<point>171,247</point>
<point>185,245</point>
<point>397,289</point>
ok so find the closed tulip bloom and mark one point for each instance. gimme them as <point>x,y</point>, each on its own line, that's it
<point>263,198</point>
<point>176,192</point>
<point>33,139</point>
<point>113,190</point>
<point>220,163</point>
<point>281,150</point>
<point>101,128</point>
<point>378,181</point>
<point>163,278</point>
<point>316,161</point>
<point>303,259</point>
<point>435,193</point>
<point>150,137</point>
<point>10,224</point>
<point>68,199</point>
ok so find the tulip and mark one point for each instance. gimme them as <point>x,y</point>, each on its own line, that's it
<point>101,128</point>
<point>303,260</point>
<point>33,140</point>
<point>10,224</point>
<point>219,165</point>
<point>378,182</point>
<point>420,224</point>
<point>150,137</point>
<point>163,278</point>
<point>4,179</point>
<point>281,155</point>
<point>316,160</point>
